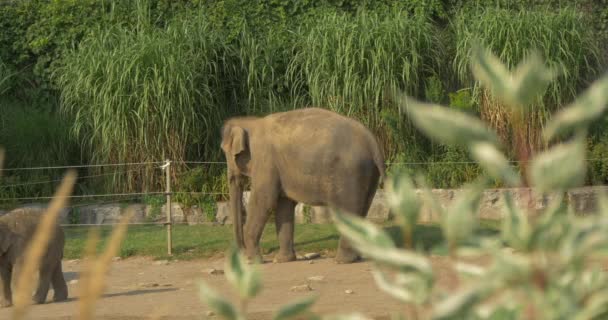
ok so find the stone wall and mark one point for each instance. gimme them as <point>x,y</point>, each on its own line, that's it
<point>582,200</point>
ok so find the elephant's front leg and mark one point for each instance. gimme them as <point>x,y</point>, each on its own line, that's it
<point>260,205</point>
<point>284,222</point>
<point>6,300</point>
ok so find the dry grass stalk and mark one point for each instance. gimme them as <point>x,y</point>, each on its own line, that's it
<point>1,160</point>
<point>38,246</point>
<point>495,115</point>
<point>93,280</point>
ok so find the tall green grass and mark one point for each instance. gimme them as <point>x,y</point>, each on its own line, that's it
<point>348,63</point>
<point>33,136</point>
<point>564,39</point>
<point>262,60</point>
<point>148,94</point>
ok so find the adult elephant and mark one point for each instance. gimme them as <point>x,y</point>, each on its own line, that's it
<point>311,155</point>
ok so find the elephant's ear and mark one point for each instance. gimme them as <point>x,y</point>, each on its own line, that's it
<point>239,141</point>
<point>235,143</point>
<point>5,239</point>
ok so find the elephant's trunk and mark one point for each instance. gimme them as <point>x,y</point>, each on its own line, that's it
<point>236,208</point>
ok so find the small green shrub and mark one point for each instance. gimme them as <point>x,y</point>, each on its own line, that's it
<point>156,203</point>
<point>462,100</point>
<point>74,216</point>
<point>433,90</point>
<point>598,163</point>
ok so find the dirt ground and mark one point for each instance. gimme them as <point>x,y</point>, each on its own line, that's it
<point>140,287</point>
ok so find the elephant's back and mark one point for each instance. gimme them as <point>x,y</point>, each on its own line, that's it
<point>315,126</point>
<point>24,221</point>
<point>319,153</point>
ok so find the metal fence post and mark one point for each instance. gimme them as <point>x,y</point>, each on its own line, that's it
<point>168,206</point>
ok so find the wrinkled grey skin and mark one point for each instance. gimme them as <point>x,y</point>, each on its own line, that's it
<point>16,230</point>
<point>313,156</point>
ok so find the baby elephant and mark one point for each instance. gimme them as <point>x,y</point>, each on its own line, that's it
<point>16,230</point>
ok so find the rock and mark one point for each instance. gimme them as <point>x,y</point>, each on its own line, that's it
<point>150,285</point>
<point>300,257</point>
<point>210,313</point>
<point>311,262</point>
<point>379,210</point>
<point>74,261</point>
<point>109,213</point>
<point>194,215</point>
<point>313,255</point>
<point>316,278</point>
<point>161,262</point>
<point>312,214</point>
<point>349,291</point>
<point>72,282</point>
<point>300,214</point>
<point>116,259</point>
<point>584,200</point>
<point>301,288</point>
<point>222,215</point>
<point>40,208</point>
<point>214,271</point>
<point>321,215</point>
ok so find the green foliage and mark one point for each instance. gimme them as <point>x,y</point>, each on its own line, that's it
<point>117,66</point>
<point>33,138</point>
<point>348,64</point>
<point>462,100</point>
<point>449,167</point>
<point>549,276</point>
<point>563,38</point>
<point>433,90</point>
<point>597,147</point>
<point>149,93</point>
<point>156,203</point>
<point>74,216</point>
<point>202,186</point>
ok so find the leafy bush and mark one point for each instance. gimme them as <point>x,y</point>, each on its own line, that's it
<point>551,269</point>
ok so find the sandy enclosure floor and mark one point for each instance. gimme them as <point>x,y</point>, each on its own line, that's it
<point>140,287</point>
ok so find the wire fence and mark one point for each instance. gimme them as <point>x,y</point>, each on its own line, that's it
<point>166,167</point>
<point>160,165</point>
<point>129,197</point>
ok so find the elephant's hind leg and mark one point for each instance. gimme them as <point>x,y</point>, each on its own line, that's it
<point>6,300</point>
<point>285,223</point>
<point>60,288</point>
<point>44,283</point>
<point>346,253</point>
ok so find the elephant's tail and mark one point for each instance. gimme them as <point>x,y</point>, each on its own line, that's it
<point>379,160</point>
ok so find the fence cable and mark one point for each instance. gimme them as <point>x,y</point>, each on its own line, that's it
<point>84,166</point>
<point>59,180</point>
<point>223,162</point>
<point>88,196</point>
